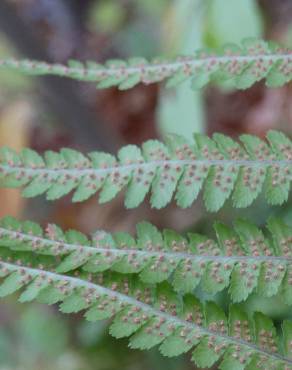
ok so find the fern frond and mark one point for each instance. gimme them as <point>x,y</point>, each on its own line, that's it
<point>241,66</point>
<point>243,258</point>
<point>155,316</point>
<point>220,165</point>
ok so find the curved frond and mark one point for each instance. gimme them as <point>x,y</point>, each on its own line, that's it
<point>154,316</point>
<point>239,66</point>
<point>242,258</point>
<point>221,167</point>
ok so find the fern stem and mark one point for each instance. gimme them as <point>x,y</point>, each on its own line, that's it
<point>164,69</point>
<point>80,171</point>
<point>248,63</point>
<point>219,166</point>
<point>80,283</point>
<point>69,247</point>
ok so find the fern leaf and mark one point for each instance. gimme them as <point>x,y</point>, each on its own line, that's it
<point>241,258</point>
<point>220,166</point>
<point>241,66</point>
<point>155,316</point>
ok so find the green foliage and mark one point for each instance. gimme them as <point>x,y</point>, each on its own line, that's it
<point>242,258</point>
<point>52,266</point>
<point>229,21</point>
<point>155,316</point>
<point>220,166</point>
<point>241,66</point>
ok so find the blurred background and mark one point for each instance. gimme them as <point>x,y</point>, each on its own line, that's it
<point>50,113</point>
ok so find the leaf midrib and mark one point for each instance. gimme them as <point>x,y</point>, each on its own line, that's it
<point>16,235</point>
<point>150,67</point>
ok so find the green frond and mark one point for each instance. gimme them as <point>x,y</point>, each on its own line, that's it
<point>221,167</point>
<point>154,316</point>
<point>145,283</point>
<point>241,66</point>
<point>242,258</point>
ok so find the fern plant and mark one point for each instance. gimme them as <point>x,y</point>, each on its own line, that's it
<point>220,166</point>
<point>147,284</point>
<point>242,259</point>
<point>155,316</point>
<point>241,65</point>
